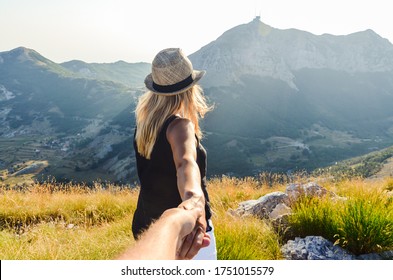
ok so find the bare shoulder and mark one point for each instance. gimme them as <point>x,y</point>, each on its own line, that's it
<point>180,128</point>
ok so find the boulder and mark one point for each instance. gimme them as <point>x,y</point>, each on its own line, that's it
<point>263,206</point>
<point>314,248</point>
<point>280,210</point>
<point>274,204</point>
<point>295,191</point>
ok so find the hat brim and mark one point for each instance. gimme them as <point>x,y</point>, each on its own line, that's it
<point>196,76</point>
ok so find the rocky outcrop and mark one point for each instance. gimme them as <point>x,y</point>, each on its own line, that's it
<point>277,204</point>
<point>264,206</point>
<point>295,191</point>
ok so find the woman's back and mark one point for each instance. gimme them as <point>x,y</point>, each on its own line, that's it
<point>158,180</point>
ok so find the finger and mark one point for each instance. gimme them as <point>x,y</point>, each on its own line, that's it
<point>206,240</point>
<point>202,223</point>
<point>191,253</point>
<point>196,212</point>
<point>187,243</point>
<point>189,221</point>
<point>196,244</point>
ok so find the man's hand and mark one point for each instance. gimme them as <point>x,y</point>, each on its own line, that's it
<point>175,235</point>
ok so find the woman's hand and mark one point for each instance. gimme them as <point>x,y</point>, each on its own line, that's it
<point>191,244</point>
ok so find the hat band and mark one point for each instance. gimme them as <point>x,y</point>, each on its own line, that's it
<point>175,87</point>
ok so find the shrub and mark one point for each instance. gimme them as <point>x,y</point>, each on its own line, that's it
<point>362,223</point>
<point>366,225</point>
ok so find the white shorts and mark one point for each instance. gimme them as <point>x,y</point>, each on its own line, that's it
<point>209,252</point>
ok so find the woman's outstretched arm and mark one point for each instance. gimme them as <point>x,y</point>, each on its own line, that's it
<point>181,136</point>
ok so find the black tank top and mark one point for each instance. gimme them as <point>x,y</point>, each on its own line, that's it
<point>158,182</point>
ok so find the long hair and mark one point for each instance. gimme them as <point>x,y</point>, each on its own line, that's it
<point>153,110</point>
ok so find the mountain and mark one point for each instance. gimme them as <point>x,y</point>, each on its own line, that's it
<point>260,50</point>
<point>49,112</point>
<point>36,90</point>
<point>288,99</point>
<point>285,100</point>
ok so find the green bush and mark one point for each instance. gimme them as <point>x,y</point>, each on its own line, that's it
<point>366,226</point>
<point>361,224</point>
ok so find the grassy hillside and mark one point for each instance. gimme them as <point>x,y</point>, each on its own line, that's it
<point>372,165</point>
<point>58,221</point>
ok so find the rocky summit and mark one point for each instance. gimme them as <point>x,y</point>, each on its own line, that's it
<point>258,49</point>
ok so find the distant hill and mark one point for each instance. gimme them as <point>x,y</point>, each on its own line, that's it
<point>285,100</point>
<point>129,74</point>
<point>374,165</point>
<point>37,87</point>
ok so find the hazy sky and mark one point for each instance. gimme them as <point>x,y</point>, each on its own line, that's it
<point>133,31</point>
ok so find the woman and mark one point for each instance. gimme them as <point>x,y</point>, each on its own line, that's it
<point>171,162</point>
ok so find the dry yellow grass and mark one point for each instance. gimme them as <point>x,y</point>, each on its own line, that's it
<point>50,221</point>
<point>241,238</point>
<point>65,222</point>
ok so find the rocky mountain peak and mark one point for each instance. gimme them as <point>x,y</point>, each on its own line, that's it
<point>21,54</point>
<point>258,49</point>
<point>254,30</point>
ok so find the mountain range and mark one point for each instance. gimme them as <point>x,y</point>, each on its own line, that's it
<point>284,100</point>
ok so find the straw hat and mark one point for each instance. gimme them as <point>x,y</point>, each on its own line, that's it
<point>172,73</point>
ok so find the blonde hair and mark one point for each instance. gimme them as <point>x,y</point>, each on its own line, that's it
<point>153,110</point>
